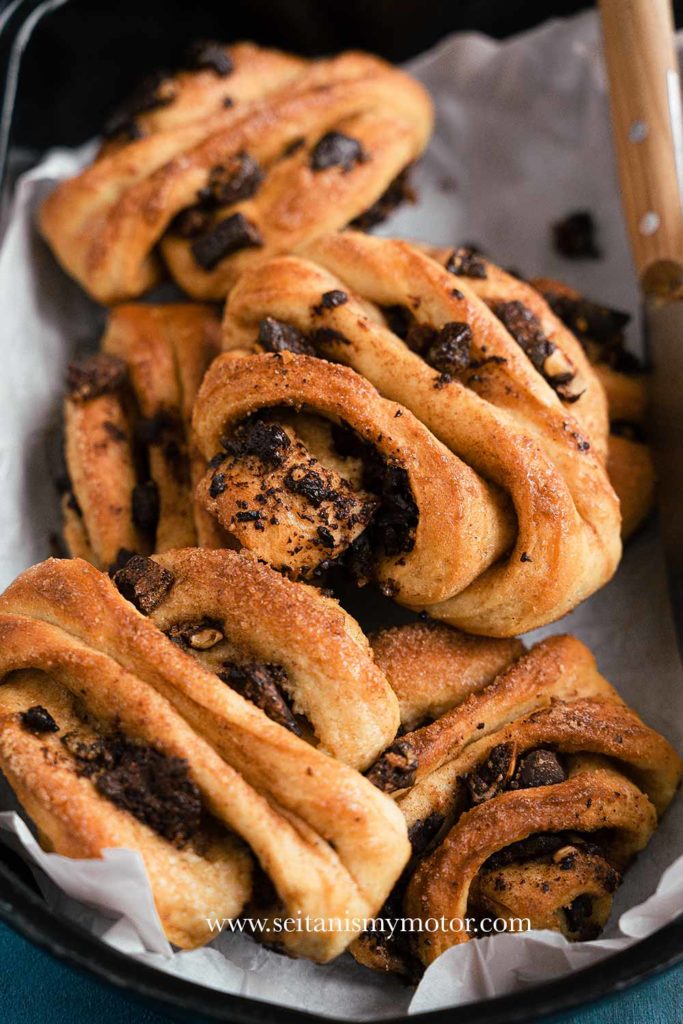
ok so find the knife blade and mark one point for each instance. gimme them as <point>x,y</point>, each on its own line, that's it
<point>645,101</point>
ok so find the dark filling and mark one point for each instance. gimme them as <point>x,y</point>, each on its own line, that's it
<point>38,720</point>
<point>574,236</point>
<point>337,150</point>
<point>207,55</point>
<point>165,431</point>
<point>466,261</point>
<point>398,192</point>
<point>154,788</point>
<point>278,336</point>
<point>262,685</point>
<point>601,325</point>
<point>395,769</point>
<point>145,501</point>
<point>228,236</point>
<point>578,915</point>
<point>503,771</point>
<point>422,832</point>
<point>300,480</point>
<point>526,329</point>
<point>157,90</point>
<point>540,844</point>
<point>143,582</point>
<point>96,375</point>
<point>331,299</point>
<point>393,525</point>
<point>267,441</point>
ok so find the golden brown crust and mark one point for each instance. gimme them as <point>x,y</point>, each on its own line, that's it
<point>104,225</point>
<point>329,842</point>
<point>546,752</point>
<point>632,473</point>
<point>113,440</point>
<point>499,416</point>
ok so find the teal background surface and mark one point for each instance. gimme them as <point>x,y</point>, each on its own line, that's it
<point>36,989</point>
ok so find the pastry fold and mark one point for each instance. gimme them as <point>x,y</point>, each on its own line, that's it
<point>112,734</point>
<point>223,165</point>
<point>131,464</point>
<point>526,799</point>
<point>525,416</point>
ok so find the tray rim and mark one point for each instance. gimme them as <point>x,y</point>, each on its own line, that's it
<point>23,911</point>
<point>27,914</point>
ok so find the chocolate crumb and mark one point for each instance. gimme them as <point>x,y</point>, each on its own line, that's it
<point>422,832</point>
<point>325,536</point>
<point>226,237</point>
<point>491,777</point>
<point>337,150</point>
<point>574,236</point>
<point>96,375</point>
<point>38,720</point>
<point>143,582</point>
<point>308,483</point>
<point>449,353</point>
<point>267,441</point>
<point>217,485</point>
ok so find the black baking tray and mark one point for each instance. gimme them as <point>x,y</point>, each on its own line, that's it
<point>63,65</point>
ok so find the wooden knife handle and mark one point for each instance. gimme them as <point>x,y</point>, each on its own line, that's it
<point>644,93</point>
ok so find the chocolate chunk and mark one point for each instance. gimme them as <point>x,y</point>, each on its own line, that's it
<point>123,556</point>
<point>267,441</point>
<point>337,150</point>
<point>322,336</point>
<point>331,299</point>
<point>395,768</point>
<point>399,320</point>
<point>398,192</point>
<point>154,788</point>
<point>143,582</point>
<point>226,237</point>
<point>300,480</point>
<point>96,375</point>
<point>250,516</point>
<point>146,506</point>
<point>492,777</point>
<point>261,684</point>
<point>465,261</point>
<point>600,325</point>
<point>526,329</point>
<point>207,55</point>
<point>238,178</point>
<point>423,831</point>
<point>325,536</point>
<point>155,91</point>
<point>449,353</point>
<point>539,768</point>
<point>38,720</point>
<point>574,236</point>
<point>278,336</point>
<point>217,485</point>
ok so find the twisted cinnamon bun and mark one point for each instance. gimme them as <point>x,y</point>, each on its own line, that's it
<point>130,461</point>
<point>517,406</point>
<point>526,798</point>
<point>251,153</point>
<point>113,734</point>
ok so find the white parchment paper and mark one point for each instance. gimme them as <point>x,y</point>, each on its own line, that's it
<point>522,139</point>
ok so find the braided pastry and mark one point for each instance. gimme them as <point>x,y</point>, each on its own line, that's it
<point>253,154</point>
<point>527,416</point>
<point>379,489</point>
<point>601,332</point>
<point>130,462</point>
<point>525,799</point>
<point>111,734</point>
